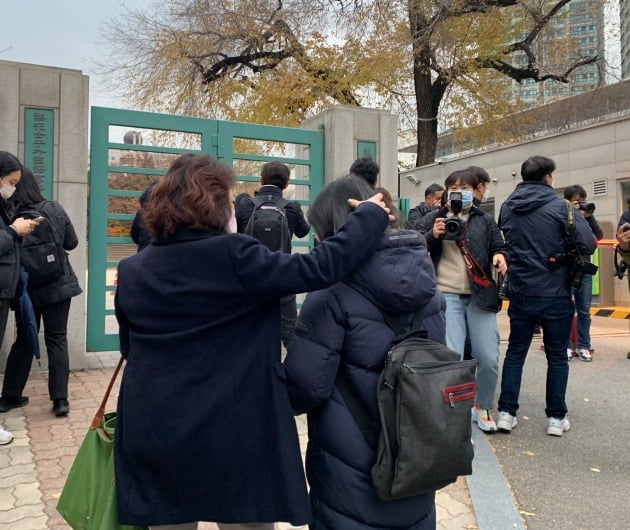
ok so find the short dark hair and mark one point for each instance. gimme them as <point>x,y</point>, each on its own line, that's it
<point>195,193</point>
<point>27,192</point>
<point>536,168</point>
<point>365,168</point>
<point>480,173</point>
<point>330,208</point>
<point>8,163</point>
<point>433,188</point>
<point>465,176</point>
<point>275,174</point>
<point>576,189</point>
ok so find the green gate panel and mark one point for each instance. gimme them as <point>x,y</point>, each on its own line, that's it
<point>115,185</point>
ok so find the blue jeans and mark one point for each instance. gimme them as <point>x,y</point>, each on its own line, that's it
<point>555,315</point>
<point>583,308</point>
<point>484,341</point>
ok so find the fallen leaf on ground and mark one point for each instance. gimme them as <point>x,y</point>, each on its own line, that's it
<point>529,453</point>
<point>595,470</point>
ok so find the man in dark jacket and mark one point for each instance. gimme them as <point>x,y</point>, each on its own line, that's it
<point>432,201</point>
<point>576,195</point>
<point>274,178</point>
<point>534,221</point>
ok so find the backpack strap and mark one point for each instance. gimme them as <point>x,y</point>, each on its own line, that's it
<point>279,202</point>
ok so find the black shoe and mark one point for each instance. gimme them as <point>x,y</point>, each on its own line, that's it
<point>10,402</point>
<point>61,407</point>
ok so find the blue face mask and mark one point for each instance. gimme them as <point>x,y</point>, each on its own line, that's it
<point>467,197</point>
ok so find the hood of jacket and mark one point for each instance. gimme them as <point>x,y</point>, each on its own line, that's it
<point>529,196</point>
<point>398,277</point>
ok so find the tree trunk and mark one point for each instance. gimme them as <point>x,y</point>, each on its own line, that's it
<point>428,94</point>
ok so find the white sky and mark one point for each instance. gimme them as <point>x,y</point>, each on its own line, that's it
<point>62,33</point>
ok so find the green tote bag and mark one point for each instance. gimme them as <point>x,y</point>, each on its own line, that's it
<point>88,498</point>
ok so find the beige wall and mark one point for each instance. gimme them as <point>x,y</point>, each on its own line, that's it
<point>344,126</point>
<point>66,93</point>
<point>594,153</point>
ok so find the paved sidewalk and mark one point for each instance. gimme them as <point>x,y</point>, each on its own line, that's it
<point>34,466</point>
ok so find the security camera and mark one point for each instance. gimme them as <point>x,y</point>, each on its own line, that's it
<point>513,173</point>
<point>495,180</point>
<point>412,178</point>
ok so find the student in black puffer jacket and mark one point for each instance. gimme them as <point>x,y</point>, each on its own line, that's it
<point>344,326</point>
<point>51,303</point>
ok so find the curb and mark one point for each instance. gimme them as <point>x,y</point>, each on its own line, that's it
<point>491,497</point>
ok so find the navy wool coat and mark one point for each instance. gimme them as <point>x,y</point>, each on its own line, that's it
<point>343,328</point>
<point>205,430</point>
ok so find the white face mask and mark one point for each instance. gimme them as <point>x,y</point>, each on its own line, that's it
<point>6,191</point>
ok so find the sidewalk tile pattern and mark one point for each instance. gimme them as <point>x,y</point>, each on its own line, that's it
<point>34,466</point>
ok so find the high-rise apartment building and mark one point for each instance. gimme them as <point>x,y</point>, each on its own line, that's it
<point>576,31</point>
<point>624,27</point>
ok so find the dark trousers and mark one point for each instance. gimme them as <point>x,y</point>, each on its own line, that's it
<point>55,317</point>
<point>555,315</point>
<point>4,315</point>
<point>288,317</point>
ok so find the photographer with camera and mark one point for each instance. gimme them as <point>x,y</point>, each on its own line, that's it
<point>576,195</point>
<point>465,245</point>
<point>538,230</point>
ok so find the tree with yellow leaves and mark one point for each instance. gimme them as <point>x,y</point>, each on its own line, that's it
<point>278,62</point>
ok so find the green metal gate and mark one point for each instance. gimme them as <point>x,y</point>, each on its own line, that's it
<point>129,149</point>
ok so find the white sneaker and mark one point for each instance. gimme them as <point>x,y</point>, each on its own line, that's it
<point>558,426</point>
<point>570,354</point>
<point>483,419</point>
<point>5,437</point>
<point>506,421</point>
<point>585,355</point>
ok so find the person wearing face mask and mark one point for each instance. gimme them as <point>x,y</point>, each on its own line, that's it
<point>465,244</point>
<point>482,190</point>
<point>51,303</point>
<point>11,234</point>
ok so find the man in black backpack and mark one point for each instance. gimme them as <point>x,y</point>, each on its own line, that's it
<point>256,217</point>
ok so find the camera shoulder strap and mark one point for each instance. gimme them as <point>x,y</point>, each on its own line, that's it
<point>571,241</point>
<point>476,273</point>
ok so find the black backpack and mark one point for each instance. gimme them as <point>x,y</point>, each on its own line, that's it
<point>268,222</point>
<point>425,393</point>
<point>42,253</point>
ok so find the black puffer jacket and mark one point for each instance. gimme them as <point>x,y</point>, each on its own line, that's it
<point>484,240</point>
<point>9,256</point>
<point>344,325</point>
<point>67,285</point>
<point>416,215</point>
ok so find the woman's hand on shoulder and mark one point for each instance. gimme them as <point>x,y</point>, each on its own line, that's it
<point>376,199</point>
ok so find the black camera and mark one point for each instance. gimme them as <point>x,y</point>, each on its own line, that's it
<point>588,207</point>
<point>453,228</point>
<point>503,289</point>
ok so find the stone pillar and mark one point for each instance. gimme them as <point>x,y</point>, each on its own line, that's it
<point>65,92</point>
<point>346,128</point>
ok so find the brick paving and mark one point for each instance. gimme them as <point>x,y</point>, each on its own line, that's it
<point>34,466</point>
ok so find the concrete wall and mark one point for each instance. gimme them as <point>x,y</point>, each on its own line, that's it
<point>594,153</point>
<point>345,125</point>
<point>66,93</point>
